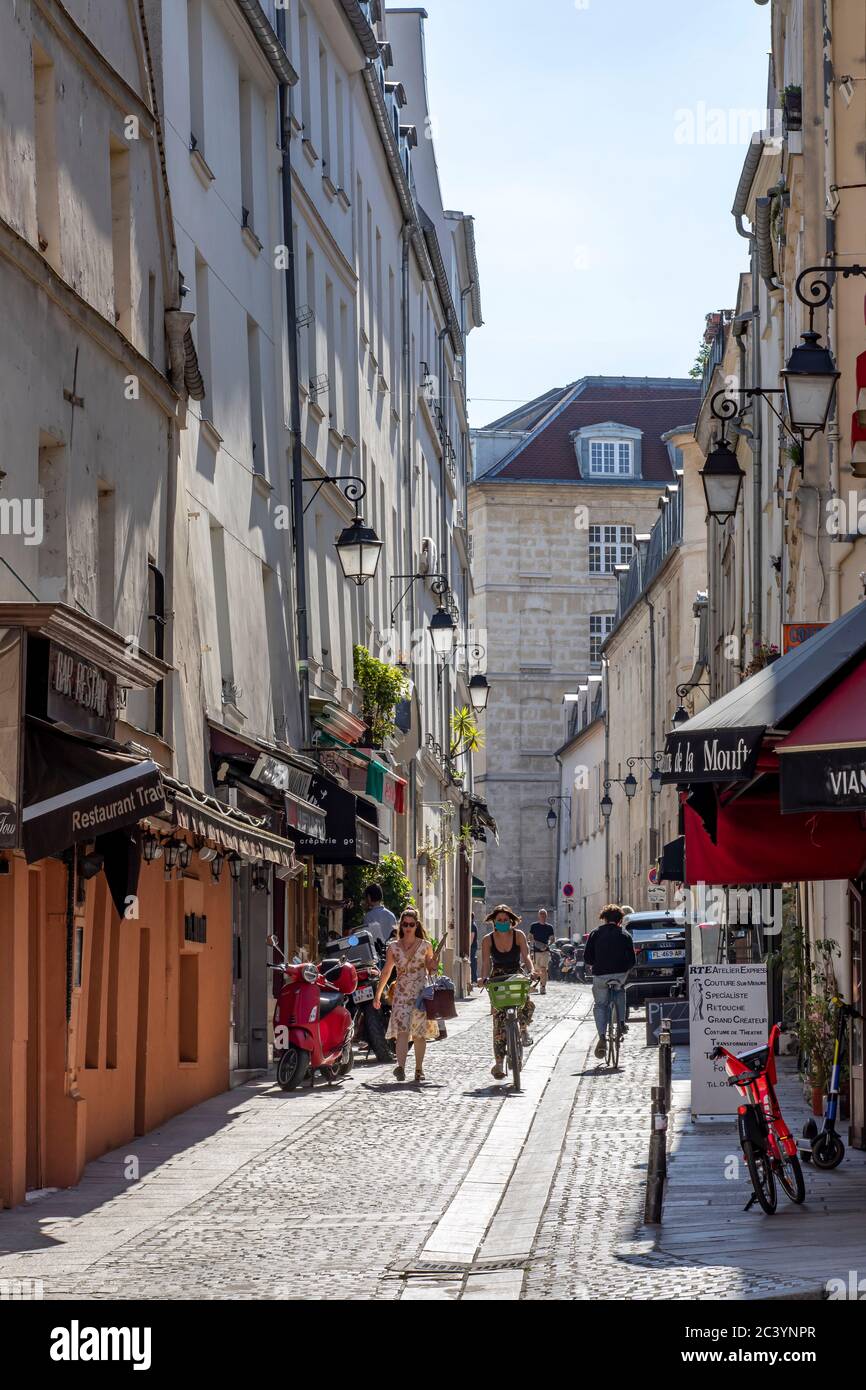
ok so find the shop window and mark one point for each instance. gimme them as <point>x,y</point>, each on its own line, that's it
<point>195,927</point>
<point>188,1007</point>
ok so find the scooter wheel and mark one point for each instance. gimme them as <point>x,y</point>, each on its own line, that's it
<point>292,1068</point>
<point>828,1151</point>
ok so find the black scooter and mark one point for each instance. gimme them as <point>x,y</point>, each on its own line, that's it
<point>827,1149</point>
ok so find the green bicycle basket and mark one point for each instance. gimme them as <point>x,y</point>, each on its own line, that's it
<point>511,992</point>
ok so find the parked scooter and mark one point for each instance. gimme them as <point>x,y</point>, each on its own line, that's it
<point>312,1026</point>
<point>827,1149</point>
<point>369,1025</point>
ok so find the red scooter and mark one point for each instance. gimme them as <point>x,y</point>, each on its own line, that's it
<point>312,1026</point>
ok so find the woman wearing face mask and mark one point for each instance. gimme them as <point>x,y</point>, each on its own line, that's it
<point>413,958</point>
<point>504,952</point>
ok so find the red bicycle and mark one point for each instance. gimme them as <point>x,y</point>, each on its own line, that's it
<point>769,1148</point>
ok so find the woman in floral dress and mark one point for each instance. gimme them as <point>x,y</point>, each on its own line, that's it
<point>413,958</point>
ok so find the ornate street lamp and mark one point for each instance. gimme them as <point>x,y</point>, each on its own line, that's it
<point>479,693</point>
<point>358,546</point>
<point>606,804</point>
<point>629,786</point>
<point>811,374</point>
<point>681,714</point>
<point>551,815</point>
<point>442,629</point>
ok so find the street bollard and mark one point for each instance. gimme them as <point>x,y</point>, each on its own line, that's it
<point>665,1062</point>
<point>657,1166</point>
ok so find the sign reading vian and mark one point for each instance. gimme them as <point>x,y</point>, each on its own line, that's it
<point>713,755</point>
<point>727,1006</point>
<point>823,779</point>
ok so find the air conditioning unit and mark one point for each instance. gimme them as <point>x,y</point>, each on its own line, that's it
<point>427,561</point>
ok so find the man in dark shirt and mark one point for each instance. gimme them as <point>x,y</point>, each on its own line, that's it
<point>540,936</point>
<point>610,953</point>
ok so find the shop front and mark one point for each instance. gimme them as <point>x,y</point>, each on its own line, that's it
<point>270,896</point>
<point>772,781</point>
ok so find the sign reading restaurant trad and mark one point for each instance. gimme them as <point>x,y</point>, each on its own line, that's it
<point>717,755</point>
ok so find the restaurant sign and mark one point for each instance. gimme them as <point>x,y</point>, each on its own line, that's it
<point>823,779</point>
<point>713,755</point>
<point>79,693</point>
<point>795,634</point>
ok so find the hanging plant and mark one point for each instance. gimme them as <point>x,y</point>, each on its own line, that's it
<point>382,687</point>
<point>466,737</point>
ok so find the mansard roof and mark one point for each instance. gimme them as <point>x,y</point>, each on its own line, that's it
<point>654,405</point>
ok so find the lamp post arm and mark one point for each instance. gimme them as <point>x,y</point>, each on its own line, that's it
<point>355,490</point>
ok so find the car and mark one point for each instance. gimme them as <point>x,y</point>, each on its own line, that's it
<point>660,944</point>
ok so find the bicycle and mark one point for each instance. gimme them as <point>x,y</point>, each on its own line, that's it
<point>509,994</point>
<point>769,1148</point>
<point>613,1035</point>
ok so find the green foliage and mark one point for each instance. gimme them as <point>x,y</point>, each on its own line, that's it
<point>466,737</point>
<point>816,1025</point>
<point>700,362</point>
<point>382,687</point>
<point>390,872</point>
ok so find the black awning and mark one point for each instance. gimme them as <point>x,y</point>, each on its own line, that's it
<point>350,837</point>
<point>231,833</point>
<point>75,791</point>
<point>722,742</point>
<point>672,866</point>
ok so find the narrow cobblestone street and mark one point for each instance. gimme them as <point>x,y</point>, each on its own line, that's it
<point>376,1190</point>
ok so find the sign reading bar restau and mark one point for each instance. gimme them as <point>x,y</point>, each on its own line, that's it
<point>713,755</point>
<point>727,1005</point>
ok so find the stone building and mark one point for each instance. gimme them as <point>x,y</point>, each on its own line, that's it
<point>571,481</point>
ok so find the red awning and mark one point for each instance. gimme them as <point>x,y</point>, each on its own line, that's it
<point>755,843</point>
<point>823,759</point>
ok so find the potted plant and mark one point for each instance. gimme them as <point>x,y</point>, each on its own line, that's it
<point>816,1034</point>
<point>382,687</point>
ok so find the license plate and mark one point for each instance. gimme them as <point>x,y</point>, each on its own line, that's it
<point>667,955</point>
<point>361,996</point>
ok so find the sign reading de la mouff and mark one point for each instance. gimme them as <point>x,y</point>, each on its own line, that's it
<point>716,755</point>
<point>727,1006</point>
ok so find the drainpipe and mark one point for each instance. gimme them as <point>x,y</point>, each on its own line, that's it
<point>299,539</point>
<point>839,550</point>
<point>408,526</point>
<point>562,805</point>
<point>652,632</point>
<point>606,670</point>
<point>758,423</point>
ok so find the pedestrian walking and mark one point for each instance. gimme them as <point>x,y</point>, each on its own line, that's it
<point>610,952</point>
<point>473,950</point>
<point>379,920</point>
<point>505,951</point>
<point>540,937</point>
<point>413,958</point>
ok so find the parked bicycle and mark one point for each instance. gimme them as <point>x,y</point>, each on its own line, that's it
<point>826,1147</point>
<point>509,993</point>
<point>769,1148</point>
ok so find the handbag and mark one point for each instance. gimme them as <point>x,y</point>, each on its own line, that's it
<point>439,999</point>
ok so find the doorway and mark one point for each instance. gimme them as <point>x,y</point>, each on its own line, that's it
<point>35,1045</point>
<point>240,1032</point>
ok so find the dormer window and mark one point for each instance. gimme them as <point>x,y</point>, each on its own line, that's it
<point>611,458</point>
<point>608,451</point>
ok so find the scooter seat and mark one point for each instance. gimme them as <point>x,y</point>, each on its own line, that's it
<point>329,1002</point>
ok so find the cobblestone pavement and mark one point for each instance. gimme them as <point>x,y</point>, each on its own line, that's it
<point>376,1190</point>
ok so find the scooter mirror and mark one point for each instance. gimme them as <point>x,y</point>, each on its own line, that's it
<point>274,941</point>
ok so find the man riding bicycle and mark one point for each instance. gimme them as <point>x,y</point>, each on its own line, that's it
<point>610,953</point>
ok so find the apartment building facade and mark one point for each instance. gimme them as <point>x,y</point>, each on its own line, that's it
<point>553,520</point>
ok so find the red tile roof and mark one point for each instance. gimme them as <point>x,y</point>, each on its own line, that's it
<point>653,406</point>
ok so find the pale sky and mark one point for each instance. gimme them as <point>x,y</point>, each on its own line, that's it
<point>598,144</point>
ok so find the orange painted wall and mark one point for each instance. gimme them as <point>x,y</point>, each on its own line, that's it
<point>67,1096</point>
